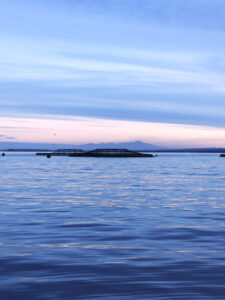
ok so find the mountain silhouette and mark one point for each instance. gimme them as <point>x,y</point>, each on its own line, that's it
<point>137,145</point>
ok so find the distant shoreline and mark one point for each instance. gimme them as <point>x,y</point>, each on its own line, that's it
<point>188,150</point>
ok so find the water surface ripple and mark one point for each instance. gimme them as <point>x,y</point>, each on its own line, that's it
<point>131,228</point>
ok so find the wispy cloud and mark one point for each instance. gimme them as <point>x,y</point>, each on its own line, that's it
<point>5,137</point>
<point>153,61</point>
<point>79,130</point>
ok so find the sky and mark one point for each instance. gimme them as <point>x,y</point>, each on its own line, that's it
<point>80,71</point>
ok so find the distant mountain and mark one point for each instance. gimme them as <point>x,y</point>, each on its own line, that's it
<point>138,145</point>
<point>30,146</point>
<point>194,150</point>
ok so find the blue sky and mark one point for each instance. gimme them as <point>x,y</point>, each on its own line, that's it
<point>158,61</point>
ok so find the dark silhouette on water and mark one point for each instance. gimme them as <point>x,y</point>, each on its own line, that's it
<point>3,154</point>
<point>61,152</point>
<point>96,153</point>
<point>112,153</point>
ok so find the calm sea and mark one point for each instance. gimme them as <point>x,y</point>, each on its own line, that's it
<point>112,228</point>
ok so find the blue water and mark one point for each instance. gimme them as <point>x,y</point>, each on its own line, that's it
<point>112,228</point>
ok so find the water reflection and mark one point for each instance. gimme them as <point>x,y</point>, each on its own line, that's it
<point>113,229</point>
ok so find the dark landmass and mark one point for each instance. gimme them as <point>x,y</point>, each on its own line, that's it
<point>26,150</point>
<point>194,150</point>
<point>13,146</point>
<point>191,150</point>
<point>134,146</point>
<point>97,153</point>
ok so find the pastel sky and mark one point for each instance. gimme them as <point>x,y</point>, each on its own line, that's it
<point>77,71</point>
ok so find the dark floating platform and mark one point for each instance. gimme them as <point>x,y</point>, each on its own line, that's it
<point>222,155</point>
<point>61,152</point>
<point>112,153</point>
<point>96,153</point>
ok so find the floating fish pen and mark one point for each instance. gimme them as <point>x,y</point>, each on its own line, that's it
<point>61,152</point>
<point>111,153</point>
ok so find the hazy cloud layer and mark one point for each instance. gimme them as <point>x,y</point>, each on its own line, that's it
<point>4,137</point>
<point>154,61</point>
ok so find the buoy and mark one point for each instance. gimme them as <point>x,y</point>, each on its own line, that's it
<point>48,155</point>
<point>3,154</point>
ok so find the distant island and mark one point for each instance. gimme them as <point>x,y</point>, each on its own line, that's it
<point>134,146</point>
